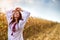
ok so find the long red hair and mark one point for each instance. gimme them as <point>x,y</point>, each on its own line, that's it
<point>19,18</point>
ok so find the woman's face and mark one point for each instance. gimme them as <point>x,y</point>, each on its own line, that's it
<point>16,14</point>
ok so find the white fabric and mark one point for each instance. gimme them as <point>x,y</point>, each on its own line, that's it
<point>18,35</point>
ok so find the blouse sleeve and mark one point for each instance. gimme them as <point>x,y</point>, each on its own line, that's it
<point>8,15</point>
<point>25,16</point>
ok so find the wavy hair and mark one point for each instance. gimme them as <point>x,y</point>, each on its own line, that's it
<point>19,18</point>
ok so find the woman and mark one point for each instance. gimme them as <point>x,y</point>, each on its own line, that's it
<point>16,21</point>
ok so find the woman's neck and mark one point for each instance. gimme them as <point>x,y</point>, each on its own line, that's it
<point>16,20</point>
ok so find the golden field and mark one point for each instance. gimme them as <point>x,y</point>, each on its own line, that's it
<point>35,29</point>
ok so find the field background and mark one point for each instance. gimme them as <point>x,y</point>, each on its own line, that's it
<point>35,29</point>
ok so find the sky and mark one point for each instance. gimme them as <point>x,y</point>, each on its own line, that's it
<point>46,9</point>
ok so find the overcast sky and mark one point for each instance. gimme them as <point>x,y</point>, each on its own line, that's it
<point>46,9</point>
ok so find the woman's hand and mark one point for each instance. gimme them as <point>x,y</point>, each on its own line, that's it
<point>19,9</point>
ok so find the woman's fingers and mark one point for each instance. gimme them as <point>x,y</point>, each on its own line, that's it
<point>18,8</point>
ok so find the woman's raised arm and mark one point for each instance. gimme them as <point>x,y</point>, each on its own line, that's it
<point>25,16</point>
<point>8,15</point>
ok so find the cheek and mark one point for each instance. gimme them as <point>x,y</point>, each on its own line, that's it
<point>18,15</point>
<point>15,15</point>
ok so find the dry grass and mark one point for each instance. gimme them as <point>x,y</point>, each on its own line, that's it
<point>35,29</point>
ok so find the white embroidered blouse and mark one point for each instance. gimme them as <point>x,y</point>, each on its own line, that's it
<point>18,35</point>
